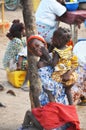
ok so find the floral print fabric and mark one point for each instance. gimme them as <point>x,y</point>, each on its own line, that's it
<point>79,88</point>
<point>48,83</point>
<point>13,48</point>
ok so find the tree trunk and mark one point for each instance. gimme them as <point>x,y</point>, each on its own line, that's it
<point>32,73</point>
<point>29,20</point>
<point>29,17</point>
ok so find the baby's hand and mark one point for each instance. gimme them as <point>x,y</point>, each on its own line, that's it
<point>66,76</point>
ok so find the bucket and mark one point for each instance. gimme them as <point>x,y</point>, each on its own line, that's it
<point>16,78</point>
<point>35,4</point>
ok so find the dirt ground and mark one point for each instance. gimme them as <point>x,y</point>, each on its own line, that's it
<point>11,117</point>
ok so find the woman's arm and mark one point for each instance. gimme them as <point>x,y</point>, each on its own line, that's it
<point>45,55</point>
<point>55,59</point>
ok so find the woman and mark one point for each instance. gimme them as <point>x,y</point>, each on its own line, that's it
<point>51,90</point>
<point>79,89</point>
<point>15,45</point>
<point>46,17</point>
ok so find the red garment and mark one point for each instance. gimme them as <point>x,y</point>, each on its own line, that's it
<point>70,43</point>
<point>53,115</point>
<point>40,38</point>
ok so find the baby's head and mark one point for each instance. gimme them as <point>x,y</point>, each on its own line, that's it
<point>61,37</point>
<point>35,44</point>
<point>16,30</point>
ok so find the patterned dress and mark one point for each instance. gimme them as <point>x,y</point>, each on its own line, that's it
<point>48,83</point>
<point>13,48</point>
<point>79,88</point>
<point>67,61</point>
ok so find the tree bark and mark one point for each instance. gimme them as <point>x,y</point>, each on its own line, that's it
<point>32,72</point>
<point>29,17</point>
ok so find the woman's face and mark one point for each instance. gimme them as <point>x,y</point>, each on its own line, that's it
<point>35,47</point>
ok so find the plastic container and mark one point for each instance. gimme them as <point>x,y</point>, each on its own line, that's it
<point>35,4</point>
<point>82,1</point>
<point>16,78</point>
<point>82,39</point>
<point>5,25</point>
<point>72,6</point>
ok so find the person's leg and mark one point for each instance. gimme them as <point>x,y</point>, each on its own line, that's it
<point>30,122</point>
<point>46,31</point>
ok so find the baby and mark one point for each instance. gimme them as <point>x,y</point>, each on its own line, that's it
<point>63,61</point>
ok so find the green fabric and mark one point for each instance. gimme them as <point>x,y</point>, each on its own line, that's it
<point>13,48</point>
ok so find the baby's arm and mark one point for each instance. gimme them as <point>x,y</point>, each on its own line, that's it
<point>51,61</point>
<point>45,59</point>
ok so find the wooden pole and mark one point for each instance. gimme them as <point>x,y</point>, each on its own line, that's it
<point>74,31</point>
<point>2,16</point>
<point>32,72</point>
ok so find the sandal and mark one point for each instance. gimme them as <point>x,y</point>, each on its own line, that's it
<point>82,103</point>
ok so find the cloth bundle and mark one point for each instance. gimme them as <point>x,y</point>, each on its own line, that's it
<point>54,115</point>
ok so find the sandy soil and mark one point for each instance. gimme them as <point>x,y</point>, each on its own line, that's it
<point>11,117</point>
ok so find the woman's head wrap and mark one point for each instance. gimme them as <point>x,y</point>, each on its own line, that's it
<point>40,38</point>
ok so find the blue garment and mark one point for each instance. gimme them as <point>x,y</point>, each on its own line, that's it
<point>57,89</point>
<point>46,31</point>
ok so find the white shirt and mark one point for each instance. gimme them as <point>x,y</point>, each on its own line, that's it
<point>47,11</point>
<point>23,52</point>
<point>80,51</point>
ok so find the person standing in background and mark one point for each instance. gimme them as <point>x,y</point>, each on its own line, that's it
<point>46,17</point>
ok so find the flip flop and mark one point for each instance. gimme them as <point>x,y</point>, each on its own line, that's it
<point>82,103</point>
<point>1,105</point>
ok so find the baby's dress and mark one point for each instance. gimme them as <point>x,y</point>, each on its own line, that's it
<point>67,61</point>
